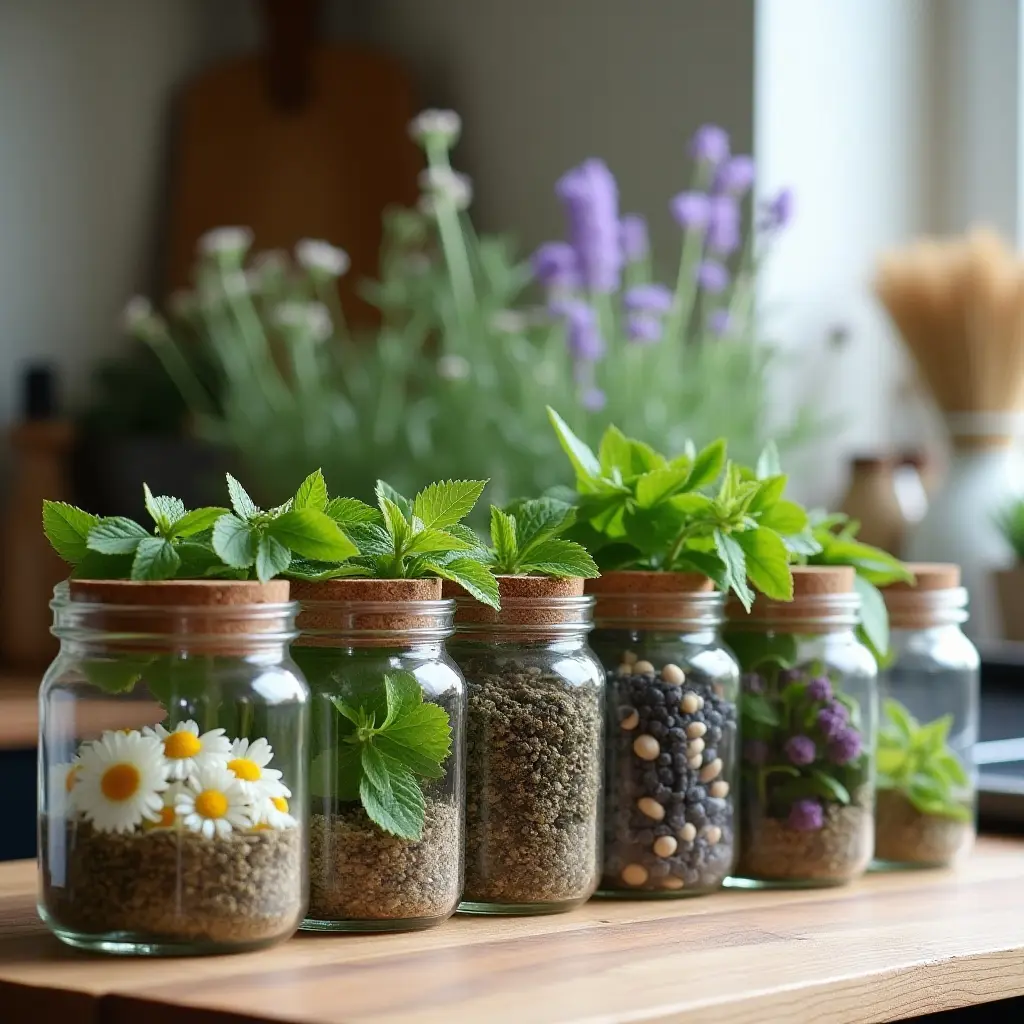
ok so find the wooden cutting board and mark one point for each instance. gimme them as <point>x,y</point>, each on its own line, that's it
<point>301,140</point>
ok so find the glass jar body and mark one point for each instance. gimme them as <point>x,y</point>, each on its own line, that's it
<point>670,763</point>
<point>809,711</point>
<point>534,739</point>
<point>365,877</point>
<point>925,803</point>
<point>172,794</point>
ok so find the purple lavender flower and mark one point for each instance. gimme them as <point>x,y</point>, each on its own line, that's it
<point>800,750</point>
<point>820,688</point>
<point>832,720</point>
<point>691,209</point>
<point>777,212</point>
<point>555,265</point>
<point>648,298</point>
<point>593,399</point>
<point>710,144</point>
<point>806,816</point>
<point>719,322</point>
<point>755,751</point>
<point>735,175</point>
<point>845,746</point>
<point>590,197</point>
<point>633,237</point>
<point>723,225</point>
<point>791,675</point>
<point>584,335</point>
<point>752,682</point>
<point>643,328</point>
<point>712,277</point>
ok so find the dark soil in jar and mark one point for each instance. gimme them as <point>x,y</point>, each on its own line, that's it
<point>669,808</point>
<point>177,886</point>
<point>359,872</point>
<point>533,785</point>
<point>905,835</point>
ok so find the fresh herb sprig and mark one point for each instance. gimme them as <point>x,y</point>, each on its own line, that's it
<point>916,760</point>
<point>384,743</point>
<point>526,540</point>
<point>638,509</point>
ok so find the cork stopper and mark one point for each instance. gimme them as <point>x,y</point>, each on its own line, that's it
<point>927,576</point>
<point>633,596</point>
<point>821,595</point>
<point>929,600</point>
<point>526,601</point>
<point>353,606</point>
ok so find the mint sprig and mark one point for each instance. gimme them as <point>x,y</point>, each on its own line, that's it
<point>525,539</point>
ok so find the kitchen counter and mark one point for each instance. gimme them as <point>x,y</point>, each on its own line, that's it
<point>889,947</point>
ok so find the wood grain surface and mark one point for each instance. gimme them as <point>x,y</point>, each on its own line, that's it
<point>887,948</point>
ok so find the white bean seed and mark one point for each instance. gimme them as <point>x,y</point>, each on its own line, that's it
<point>649,806</point>
<point>688,705</point>
<point>643,667</point>
<point>665,846</point>
<point>695,729</point>
<point>673,675</point>
<point>634,874</point>
<point>688,832</point>
<point>710,771</point>
<point>719,789</point>
<point>646,747</point>
<point>631,721</point>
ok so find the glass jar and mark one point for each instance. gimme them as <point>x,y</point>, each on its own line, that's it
<point>808,719</point>
<point>533,740</point>
<point>671,734</point>
<point>172,768</point>
<point>385,849</point>
<point>924,810</point>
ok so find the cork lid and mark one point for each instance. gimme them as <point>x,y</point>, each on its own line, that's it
<point>541,601</point>
<point>927,576</point>
<point>637,596</point>
<point>934,598</point>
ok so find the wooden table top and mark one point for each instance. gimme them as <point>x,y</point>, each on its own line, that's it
<point>19,710</point>
<point>889,947</point>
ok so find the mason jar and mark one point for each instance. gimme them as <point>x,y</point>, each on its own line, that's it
<point>533,737</point>
<point>671,734</point>
<point>387,749</point>
<point>924,810</point>
<point>809,711</point>
<point>172,790</point>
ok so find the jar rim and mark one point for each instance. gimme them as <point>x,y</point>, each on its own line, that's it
<point>696,610</point>
<point>548,616</point>
<point>376,623</point>
<point>923,609</point>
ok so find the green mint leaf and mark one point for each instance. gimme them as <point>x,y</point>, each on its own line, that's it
<point>385,490</point>
<point>891,761</point>
<point>374,769</point>
<point>245,508</point>
<point>447,502</point>
<point>371,540</point>
<point>399,809</point>
<point>874,617</point>
<point>335,773</point>
<point>561,558</point>
<point>466,534</point>
<point>419,736</point>
<point>951,768</point>
<point>540,518</point>
<point>435,541</point>
<point>118,675</point>
<point>768,462</point>
<point>235,541</point>
<point>272,558</point>
<point>931,738</point>
<point>313,534</point>
<point>503,539</point>
<point>103,567</point>
<point>353,714</point>
<point>402,693</point>
<point>312,492</point>
<point>768,494</point>
<point>476,579</point>
<point>693,505</point>
<point>802,543</point>
<point>905,723</point>
<point>303,569</point>
<point>279,510</point>
<point>615,453</point>
<point>67,529</point>
<point>703,562</point>
<point>867,560</point>
<point>767,562</point>
<point>398,527</point>
<point>584,462</point>
<point>759,709</point>
<point>350,511</point>
<point>656,486</point>
<point>116,535</point>
<point>197,521</point>
<point>155,559</point>
<point>707,465</point>
<point>834,789</point>
<point>164,510</point>
<point>736,567</point>
<point>198,560</point>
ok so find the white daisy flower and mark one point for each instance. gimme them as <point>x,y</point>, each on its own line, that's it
<point>248,762</point>
<point>212,803</point>
<point>273,813</point>
<point>62,782</point>
<point>121,780</point>
<point>187,750</point>
<point>168,815</point>
<point>320,257</point>
<point>444,125</point>
<point>233,241</point>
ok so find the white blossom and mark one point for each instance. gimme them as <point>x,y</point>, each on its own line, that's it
<point>140,319</point>
<point>442,184</point>
<point>310,318</point>
<point>443,125</point>
<point>453,367</point>
<point>320,257</point>
<point>230,241</point>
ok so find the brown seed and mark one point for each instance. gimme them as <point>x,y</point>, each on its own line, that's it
<point>673,675</point>
<point>671,882</point>
<point>696,761</point>
<point>665,846</point>
<point>650,807</point>
<point>646,747</point>
<point>695,729</point>
<point>634,874</point>
<point>688,705</point>
<point>711,833</point>
<point>631,721</point>
<point>719,789</point>
<point>695,747</point>
<point>629,657</point>
<point>688,832</point>
<point>709,771</point>
<point>642,667</point>
<point>624,670</point>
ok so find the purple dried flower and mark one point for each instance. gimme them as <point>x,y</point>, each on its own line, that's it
<point>777,212</point>
<point>719,322</point>
<point>691,209</point>
<point>752,682</point>
<point>593,399</point>
<point>755,751</point>
<point>643,328</point>
<point>633,237</point>
<point>800,750</point>
<point>555,265</point>
<point>735,175</point>
<point>584,335</point>
<point>820,688</point>
<point>712,277</point>
<point>648,298</point>
<point>845,746</point>
<point>590,197</point>
<point>710,144</point>
<point>791,675</point>
<point>830,722</point>
<point>806,816</point>
<point>723,225</point>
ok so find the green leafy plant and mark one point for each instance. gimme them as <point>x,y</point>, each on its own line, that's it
<point>637,509</point>
<point>917,761</point>
<point>525,540</point>
<point>387,741</point>
<point>1010,521</point>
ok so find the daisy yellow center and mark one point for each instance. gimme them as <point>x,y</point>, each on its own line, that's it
<point>211,803</point>
<point>120,782</point>
<point>71,778</point>
<point>280,803</point>
<point>182,744</point>
<point>167,817</point>
<point>245,768</point>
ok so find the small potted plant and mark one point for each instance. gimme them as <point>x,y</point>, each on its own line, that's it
<point>1010,582</point>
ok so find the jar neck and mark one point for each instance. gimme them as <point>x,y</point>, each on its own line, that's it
<point>526,620</point>
<point>911,609</point>
<point>807,614</point>
<point>678,613</point>
<point>384,624</point>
